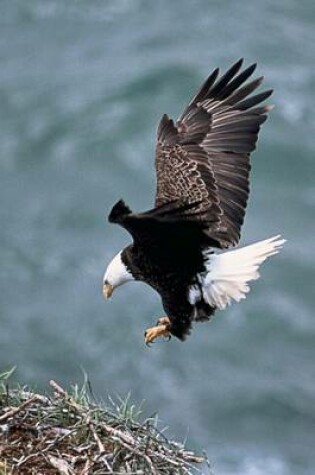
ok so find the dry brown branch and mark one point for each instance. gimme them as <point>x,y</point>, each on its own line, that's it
<point>23,405</point>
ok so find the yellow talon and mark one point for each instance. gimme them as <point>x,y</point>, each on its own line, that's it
<point>155,332</point>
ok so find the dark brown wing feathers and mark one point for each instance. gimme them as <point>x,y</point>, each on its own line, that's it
<point>204,157</point>
<point>163,227</point>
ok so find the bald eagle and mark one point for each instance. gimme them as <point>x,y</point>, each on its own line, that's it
<point>202,166</point>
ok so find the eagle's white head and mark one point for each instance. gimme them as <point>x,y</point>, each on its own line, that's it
<point>116,274</point>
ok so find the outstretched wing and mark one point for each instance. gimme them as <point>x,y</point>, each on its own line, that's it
<point>205,156</point>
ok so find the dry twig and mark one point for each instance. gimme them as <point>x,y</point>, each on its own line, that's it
<point>68,435</point>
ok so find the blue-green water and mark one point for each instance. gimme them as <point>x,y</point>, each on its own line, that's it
<point>82,87</point>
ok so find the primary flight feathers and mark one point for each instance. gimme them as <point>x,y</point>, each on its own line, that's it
<point>205,155</point>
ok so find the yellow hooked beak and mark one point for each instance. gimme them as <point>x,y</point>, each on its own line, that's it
<point>107,290</point>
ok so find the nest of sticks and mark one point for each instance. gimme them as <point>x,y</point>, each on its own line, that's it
<point>67,434</point>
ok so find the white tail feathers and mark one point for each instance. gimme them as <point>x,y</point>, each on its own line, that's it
<point>229,273</point>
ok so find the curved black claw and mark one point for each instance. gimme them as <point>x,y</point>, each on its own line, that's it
<point>147,343</point>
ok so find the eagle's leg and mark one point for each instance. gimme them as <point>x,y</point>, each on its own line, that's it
<point>161,329</point>
<point>163,321</point>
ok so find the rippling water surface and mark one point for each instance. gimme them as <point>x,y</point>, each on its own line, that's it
<point>82,87</point>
